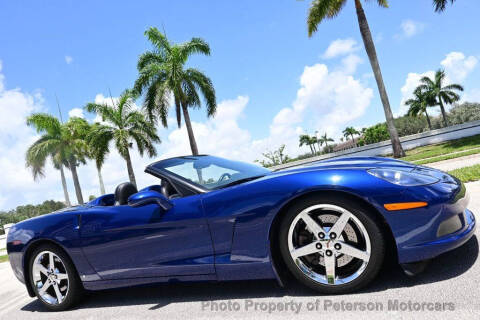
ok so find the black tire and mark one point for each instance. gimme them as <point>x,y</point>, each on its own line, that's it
<point>370,223</point>
<point>75,289</point>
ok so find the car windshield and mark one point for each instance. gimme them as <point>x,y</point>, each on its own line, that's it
<point>212,172</point>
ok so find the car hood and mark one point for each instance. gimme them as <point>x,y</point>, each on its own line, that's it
<point>352,163</point>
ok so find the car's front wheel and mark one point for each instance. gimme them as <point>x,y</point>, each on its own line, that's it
<point>332,245</point>
<point>53,278</point>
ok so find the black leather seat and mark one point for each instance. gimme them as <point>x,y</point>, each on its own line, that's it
<point>123,191</point>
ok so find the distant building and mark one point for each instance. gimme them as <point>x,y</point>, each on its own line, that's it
<point>349,144</point>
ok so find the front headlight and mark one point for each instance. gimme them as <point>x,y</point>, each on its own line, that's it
<point>403,178</point>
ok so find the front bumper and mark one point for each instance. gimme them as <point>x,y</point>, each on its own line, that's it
<point>446,223</point>
<point>431,249</point>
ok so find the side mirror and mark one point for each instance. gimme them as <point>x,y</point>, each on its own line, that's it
<point>144,198</point>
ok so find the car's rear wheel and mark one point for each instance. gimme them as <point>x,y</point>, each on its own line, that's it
<point>54,278</point>
<point>332,245</point>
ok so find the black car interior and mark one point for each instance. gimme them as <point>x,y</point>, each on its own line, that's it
<point>123,192</point>
<point>126,189</point>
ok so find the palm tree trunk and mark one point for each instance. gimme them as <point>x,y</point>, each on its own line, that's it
<point>311,148</point>
<point>428,120</point>
<point>131,174</point>
<point>188,124</point>
<point>100,180</point>
<point>76,182</point>
<point>444,115</point>
<point>64,185</point>
<point>372,56</point>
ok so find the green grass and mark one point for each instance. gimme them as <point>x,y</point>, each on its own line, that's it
<point>467,174</point>
<point>441,149</point>
<point>448,156</point>
<point>3,258</point>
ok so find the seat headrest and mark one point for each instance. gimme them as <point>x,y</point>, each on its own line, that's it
<point>123,192</point>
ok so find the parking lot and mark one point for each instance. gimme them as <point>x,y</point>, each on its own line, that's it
<point>450,286</point>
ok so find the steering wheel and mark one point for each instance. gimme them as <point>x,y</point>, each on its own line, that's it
<point>224,176</point>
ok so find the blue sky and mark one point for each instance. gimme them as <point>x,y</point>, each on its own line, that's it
<point>264,67</point>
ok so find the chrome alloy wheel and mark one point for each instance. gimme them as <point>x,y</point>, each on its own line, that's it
<point>329,244</point>
<point>50,277</point>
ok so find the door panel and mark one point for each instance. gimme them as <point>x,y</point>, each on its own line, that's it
<point>124,242</point>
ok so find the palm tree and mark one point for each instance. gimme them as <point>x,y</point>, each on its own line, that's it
<point>440,5</point>
<point>350,132</point>
<point>325,140</point>
<point>313,142</point>
<point>329,9</point>
<point>163,74</point>
<point>124,126</point>
<point>63,143</point>
<point>76,131</point>
<point>98,150</point>
<point>304,139</point>
<point>419,104</point>
<point>47,146</point>
<point>443,94</point>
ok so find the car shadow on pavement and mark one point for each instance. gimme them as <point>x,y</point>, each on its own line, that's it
<point>446,266</point>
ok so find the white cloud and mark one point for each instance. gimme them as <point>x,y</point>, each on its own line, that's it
<point>340,47</point>
<point>458,66</point>
<point>76,112</point>
<point>410,28</point>
<point>15,136</point>
<point>350,63</point>
<point>68,59</point>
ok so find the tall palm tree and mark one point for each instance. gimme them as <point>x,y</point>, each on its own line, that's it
<point>325,140</point>
<point>350,132</point>
<point>443,94</point>
<point>98,150</point>
<point>162,74</point>
<point>420,103</point>
<point>76,131</point>
<point>440,5</point>
<point>305,139</point>
<point>62,142</point>
<point>124,125</point>
<point>313,142</point>
<point>329,9</point>
<point>43,148</point>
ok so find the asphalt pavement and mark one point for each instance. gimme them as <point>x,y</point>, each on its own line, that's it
<point>449,288</point>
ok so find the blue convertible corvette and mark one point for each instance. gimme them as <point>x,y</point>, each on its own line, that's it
<point>329,225</point>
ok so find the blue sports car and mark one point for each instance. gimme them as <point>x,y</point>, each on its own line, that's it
<point>329,225</point>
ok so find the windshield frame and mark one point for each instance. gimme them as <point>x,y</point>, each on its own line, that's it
<point>157,169</point>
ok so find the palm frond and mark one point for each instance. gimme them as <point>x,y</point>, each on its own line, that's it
<point>440,5</point>
<point>453,86</point>
<point>149,57</point>
<point>157,102</point>
<point>44,122</point>
<point>206,87</point>
<point>317,12</point>
<point>335,8</point>
<point>196,45</point>
<point>158,39</point>
<point>382,3</point>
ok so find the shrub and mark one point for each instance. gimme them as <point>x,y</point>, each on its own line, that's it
<point>464,112</point>
<point>376,133</point>
<point>408,125</point>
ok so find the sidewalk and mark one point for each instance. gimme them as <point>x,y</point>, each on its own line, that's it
<point>451,164</point>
